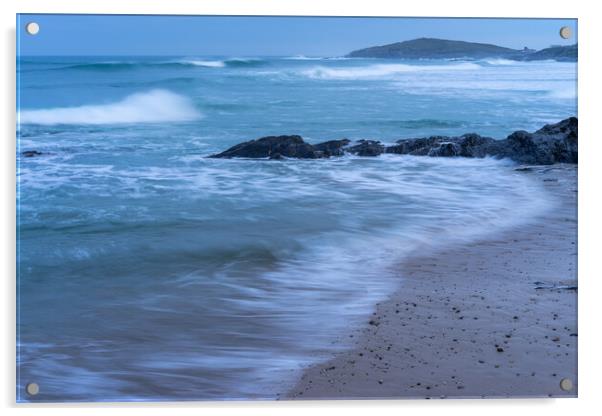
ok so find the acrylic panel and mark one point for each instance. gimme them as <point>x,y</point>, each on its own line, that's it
<point>286,208</point>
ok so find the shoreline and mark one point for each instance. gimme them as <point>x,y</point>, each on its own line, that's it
<point>492,318</point>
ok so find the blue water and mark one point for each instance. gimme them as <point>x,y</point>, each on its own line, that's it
<point>149,272</point>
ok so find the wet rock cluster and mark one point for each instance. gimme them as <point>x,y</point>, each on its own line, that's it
<point>553,143</point>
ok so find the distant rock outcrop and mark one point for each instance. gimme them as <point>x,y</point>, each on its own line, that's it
<point>557,53</point>
<point>431,48</point>
<point>553,143</point>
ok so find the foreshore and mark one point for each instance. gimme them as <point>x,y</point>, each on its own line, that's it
<point>492,318</point>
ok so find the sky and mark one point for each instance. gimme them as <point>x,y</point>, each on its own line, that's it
<point>102,35</point>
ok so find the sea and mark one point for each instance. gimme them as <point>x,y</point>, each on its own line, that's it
<point>147,271</point>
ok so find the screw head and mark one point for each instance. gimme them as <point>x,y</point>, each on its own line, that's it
<point>32,389</point>
<point>566,384</point>
<point>32,28</point>
<point>565,32</point>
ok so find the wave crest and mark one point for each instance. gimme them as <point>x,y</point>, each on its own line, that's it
<point>128,65</point>
<point>231,62</point>
<point>154,106</point>
<point>198,62</point>
<point>381,70</point>
<point>500,61</point>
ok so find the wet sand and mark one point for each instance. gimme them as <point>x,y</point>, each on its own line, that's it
<point>493,318</point>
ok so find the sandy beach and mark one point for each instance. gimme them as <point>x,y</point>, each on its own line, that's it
<point>493,318</point>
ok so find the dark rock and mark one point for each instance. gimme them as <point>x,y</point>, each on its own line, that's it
<point>416,147</point>
<point>31,153</point>
<point>367,148</point>
<point>332,147</point>
<point>520,147</point>
<point>553,143</point>
<point>473,145</point>
<point>565,128</point>
<point>273,147</point>
<point>447,149</point>
<point>560,140</point>
<point>468,145</point>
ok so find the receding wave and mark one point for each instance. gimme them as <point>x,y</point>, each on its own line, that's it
<point>382,70</point>
<point>154,106</point>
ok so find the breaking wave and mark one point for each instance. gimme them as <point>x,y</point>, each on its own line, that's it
<point>379,71</point>
<point>317,58</point>
<point>187,62</point>
<point>231,62</point>
<point>154,106</point>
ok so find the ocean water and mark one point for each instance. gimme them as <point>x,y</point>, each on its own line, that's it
<point>147,271</point>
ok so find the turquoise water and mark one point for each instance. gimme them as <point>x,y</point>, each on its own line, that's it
<point>149,272</point>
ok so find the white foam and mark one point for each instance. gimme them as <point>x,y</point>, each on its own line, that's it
<point>243,59</point>
<point>208,64</point>
<point>382,70</point>
<point>155,106</point>
<point>304,58</point>
<point>501,62</point>
<point>217,63</point>
<point>317,58</point>
<point>564,93</point>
